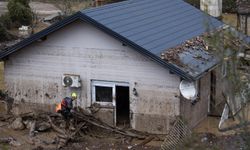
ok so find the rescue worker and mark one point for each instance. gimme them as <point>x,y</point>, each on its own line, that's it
<point>66,108</point>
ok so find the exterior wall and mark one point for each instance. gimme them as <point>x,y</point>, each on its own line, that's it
<point>34,74</point>
<point>193,114</point>
<point>212,7</point>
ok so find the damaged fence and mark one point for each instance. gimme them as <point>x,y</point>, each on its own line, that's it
<point>176,135</point>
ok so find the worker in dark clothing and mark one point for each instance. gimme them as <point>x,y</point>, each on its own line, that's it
<point>66,108</point>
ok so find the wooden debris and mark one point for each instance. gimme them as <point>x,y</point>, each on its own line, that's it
<point>105,126</point>
<point>83,120</point>
<point>32,129</point>
<point>54,127</point>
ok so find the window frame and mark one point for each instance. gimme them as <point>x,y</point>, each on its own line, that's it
<point>109,84</point>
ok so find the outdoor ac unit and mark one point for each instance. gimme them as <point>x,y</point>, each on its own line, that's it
<point>71,80</point>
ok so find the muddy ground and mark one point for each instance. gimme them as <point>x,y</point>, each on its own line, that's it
<point>93,139</point>
<point>206,136</point>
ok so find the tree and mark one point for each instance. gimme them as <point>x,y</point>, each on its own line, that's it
<point>230,47</point>
<point>195,3</point>
<point>20,12</point>
<point>4,36</point>
<point>229,6</point>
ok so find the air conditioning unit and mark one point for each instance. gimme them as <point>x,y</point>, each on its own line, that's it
<point>69,80</point>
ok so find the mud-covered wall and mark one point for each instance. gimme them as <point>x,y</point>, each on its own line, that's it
<point>194,113</point>
<point>34,74</point>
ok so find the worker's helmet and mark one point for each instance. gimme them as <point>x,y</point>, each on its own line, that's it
<point>73,95</point>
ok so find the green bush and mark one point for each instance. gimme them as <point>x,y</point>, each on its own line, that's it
<point>6,21</point>
<point>195,3</point>
<point>4,36</point>
<point>229,6</point>
<point>20,13</point>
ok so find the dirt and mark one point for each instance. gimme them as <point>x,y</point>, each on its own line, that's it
<point>230,19</point>
<point>208,141</point>
<point>88,142</point>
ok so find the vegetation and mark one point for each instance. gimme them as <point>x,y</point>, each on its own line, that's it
<point>231,49</point>
<point>20,12</point>
<point>6,21</point>
<point>195,3</point>
<point>229,6</point>
<point>3,33</point>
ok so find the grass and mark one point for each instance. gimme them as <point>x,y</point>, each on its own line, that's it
<point>4,147</point>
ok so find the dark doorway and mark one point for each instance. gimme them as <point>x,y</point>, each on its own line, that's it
<point>122,105</point>
<point>213,92</point>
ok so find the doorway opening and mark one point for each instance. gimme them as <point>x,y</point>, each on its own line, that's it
<point>122,106</point>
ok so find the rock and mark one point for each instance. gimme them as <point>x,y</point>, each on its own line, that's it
<point>17,124</point>
<point>28,123</point>
<point>204,139</point>
<point>43,127</point>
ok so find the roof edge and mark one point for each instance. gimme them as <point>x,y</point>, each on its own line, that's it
<point>85,18</point>
<point>138,48</point>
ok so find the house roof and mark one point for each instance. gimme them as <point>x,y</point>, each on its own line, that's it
<point>150,27</point>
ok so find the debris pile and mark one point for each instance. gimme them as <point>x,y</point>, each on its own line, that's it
<point>172,55</point>
<point>83,123</point>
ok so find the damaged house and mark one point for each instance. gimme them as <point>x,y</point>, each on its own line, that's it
<point>125,60</point>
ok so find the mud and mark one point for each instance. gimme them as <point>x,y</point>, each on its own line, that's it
<point>94,141</point>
